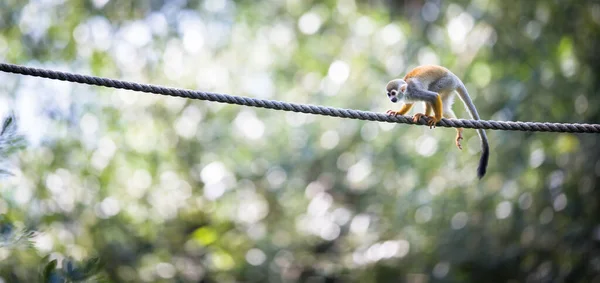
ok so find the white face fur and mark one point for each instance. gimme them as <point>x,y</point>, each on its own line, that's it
<point>396,90</point>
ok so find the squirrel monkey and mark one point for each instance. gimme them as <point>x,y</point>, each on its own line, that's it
<point>436,85</point>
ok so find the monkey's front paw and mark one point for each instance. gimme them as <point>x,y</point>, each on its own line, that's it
<point>392,113</point>
<point>458,138</point>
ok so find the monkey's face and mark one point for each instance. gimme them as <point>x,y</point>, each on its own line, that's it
<point>396,90</point>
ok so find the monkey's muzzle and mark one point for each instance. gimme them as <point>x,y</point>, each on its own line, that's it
<point>394,99</point>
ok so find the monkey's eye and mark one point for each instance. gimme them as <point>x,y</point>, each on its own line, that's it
<point>394,92</point>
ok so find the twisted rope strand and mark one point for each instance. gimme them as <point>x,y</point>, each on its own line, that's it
<point>296,107</point>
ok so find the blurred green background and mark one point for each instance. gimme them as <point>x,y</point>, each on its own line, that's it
<point>165,189</point>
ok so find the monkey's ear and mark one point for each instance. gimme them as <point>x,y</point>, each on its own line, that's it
<point>403,88</point>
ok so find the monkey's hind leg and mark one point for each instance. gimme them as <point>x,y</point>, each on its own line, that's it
<point>427,114</point>
<point>436,105</point>
<point>450,114</point>
<point>428,109</point>
<point>417,92</point>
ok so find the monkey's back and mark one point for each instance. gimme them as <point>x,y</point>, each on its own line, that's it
<point>427,72</point>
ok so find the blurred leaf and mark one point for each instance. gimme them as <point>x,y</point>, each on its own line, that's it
<point>49,271</point>
<point>10,141</point>
<point>91,266</point>
<point>565,47</point>
<point>7,124</point>
<point>205,235</point>
<point>566,143</point>
<point>222,260</point>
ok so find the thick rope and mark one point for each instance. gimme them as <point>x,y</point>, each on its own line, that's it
<point>295,107</point>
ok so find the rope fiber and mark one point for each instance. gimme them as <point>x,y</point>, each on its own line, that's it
<point>296,107</point>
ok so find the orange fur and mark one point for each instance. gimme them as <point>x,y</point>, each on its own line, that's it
<point>427,109</point>
<point>437,109</point>
<point>427,72</point>
<point>405,108</point>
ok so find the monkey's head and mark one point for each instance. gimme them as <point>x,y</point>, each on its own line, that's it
<point>396,90</point>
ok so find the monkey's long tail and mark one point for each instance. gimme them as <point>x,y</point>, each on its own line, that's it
<point>485,148</point>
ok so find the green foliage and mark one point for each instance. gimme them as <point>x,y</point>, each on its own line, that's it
<point>71,271</point>
<point>13,238</point>
<point>10,141</point>
<point>166,189</point>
